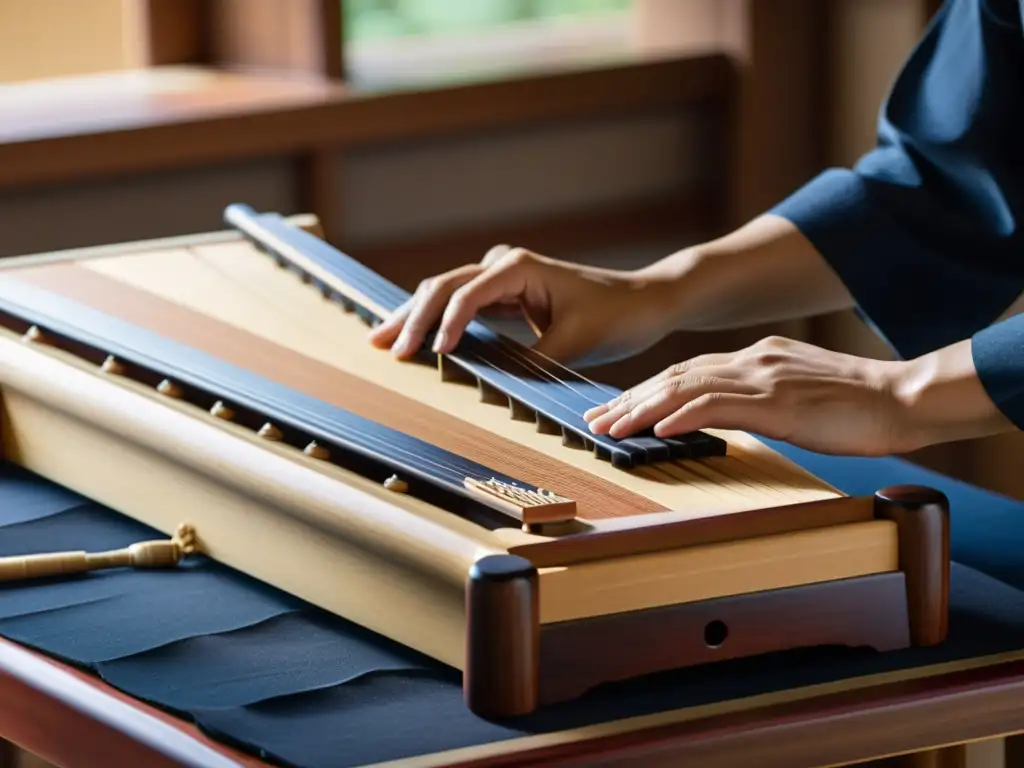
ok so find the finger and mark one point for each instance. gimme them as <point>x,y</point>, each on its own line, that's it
<point>495,254</point>
<point>427,307</point>
<point>645,388</point>
<point>385,334</point>
<point>502,282</point>
<point>720,410</point>
<point>641,414</point>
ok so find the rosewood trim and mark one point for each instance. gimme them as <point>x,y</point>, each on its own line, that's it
<point>66,717</point>
<point>502,642</point>
<point>834,729</point>
<point>868,611</point>
<point>921,515</point>
<point>601,545</point>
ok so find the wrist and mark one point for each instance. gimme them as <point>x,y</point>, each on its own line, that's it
<point>939,398</point>
<point>660,292</point>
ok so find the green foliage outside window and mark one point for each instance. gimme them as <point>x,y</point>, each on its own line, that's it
<point>379,19</point>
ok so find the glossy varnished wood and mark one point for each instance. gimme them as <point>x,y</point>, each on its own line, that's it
<point>922,517</point>
<point>502,672</point>
<point>72,719</point>
<point>870,611</point>
<point>922,715</point>
<point>578,548</point>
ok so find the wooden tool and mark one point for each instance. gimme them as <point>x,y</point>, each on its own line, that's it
<point>145,554</point>
<point>452,504</point>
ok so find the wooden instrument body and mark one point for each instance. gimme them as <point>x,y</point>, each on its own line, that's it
<point>679,563</point>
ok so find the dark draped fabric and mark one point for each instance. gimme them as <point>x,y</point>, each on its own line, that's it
<point>927,229</point>
<point>266,672</point>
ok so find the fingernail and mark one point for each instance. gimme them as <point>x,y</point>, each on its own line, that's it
<point>439,341</point>
<point>400,346</point>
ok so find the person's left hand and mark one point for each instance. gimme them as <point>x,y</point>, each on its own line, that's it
<point>778,388</point>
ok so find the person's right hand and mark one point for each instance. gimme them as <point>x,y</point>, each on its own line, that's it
<point>581,314</point>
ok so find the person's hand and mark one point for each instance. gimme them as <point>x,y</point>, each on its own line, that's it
<point>581,314</point>
<point>781,389</point>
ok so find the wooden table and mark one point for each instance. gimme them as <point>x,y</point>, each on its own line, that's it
<point>72,719</point>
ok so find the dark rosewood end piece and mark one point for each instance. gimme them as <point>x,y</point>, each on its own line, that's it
<point>502,637</point>
<point>867,611</point>
<point>921,515</point>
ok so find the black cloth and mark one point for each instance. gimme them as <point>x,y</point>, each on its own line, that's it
<point>270,674</point>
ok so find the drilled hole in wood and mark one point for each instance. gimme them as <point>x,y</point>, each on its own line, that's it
<point>715,633</point>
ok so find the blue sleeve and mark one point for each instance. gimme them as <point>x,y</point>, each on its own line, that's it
<point>927,230</point>
<point>998,352</point>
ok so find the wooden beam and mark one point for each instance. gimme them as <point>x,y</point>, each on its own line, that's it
<point>171,31</point>
<point>169,117</point>
<point>291,36</point>
<point>779,136</point>
<point>294,37</point>
<point>778,49</point>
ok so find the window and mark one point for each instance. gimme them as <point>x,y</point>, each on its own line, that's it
<point>389,19</point>
<point>394,43</point>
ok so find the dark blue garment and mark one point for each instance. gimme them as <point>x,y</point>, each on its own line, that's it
<point>927,230</point>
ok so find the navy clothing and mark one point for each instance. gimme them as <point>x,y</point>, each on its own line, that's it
<point>927,230</point>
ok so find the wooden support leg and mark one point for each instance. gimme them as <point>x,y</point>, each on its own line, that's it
<point>922,519</point>
<point>502,675</point>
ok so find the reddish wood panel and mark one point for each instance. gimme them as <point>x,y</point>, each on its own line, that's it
<point>870,611</point>
<point>835,729</point>
<point>570,549</point>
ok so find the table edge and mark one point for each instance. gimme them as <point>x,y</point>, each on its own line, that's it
<point>93,698</point>
<point>930,710</point>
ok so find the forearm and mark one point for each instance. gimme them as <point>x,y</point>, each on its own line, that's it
<point>764,272</point>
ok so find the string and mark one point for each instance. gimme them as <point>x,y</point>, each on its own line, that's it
<point>452,469</point>
<point>215,378</point>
